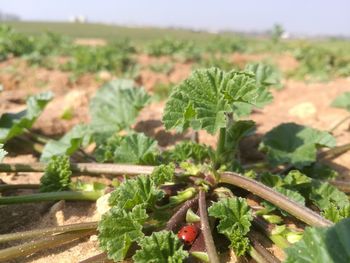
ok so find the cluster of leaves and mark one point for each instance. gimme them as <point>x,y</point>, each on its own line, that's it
<point>321,63</point>
<point>124,223</point>
<point>113,109</point>
<point>14,124</point>
<point>162,91</point>
<point>218,61</point>
<point>164,68</point>
<point>57,176</point>
<point>204,100</point>
<point>114,58</point>
<point>290,143</point>
<point>133,148</point>
<point>227,45</point>
<point>36,49</point>
<point>322,245</point>
<point>333,203</point>
<point>235,221</point>
<point>183,50</point>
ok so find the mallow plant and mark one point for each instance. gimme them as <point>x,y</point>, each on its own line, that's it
<point>193,202</point>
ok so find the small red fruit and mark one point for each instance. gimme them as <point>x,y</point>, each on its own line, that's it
<point>188,234</point>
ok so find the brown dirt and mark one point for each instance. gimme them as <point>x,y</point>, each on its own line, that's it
<point>19,81</point>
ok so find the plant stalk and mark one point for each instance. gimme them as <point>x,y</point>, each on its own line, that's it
<point>51,196</point>
<point>45,243</point>
<point>259,253</point>
<point>208,238</point>
<point>4,187</point>
<point>303,213</point>
<point>220,148</point>
<point>339,123</point>
<point>267,228</point>
<point>334,152</point>
<point>343,186</point>
<point>48,231</point>
<point>181,214</point>
<point>101,258</point>
<point>95,169</point>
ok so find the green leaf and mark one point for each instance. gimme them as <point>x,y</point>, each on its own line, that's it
<point>331,245</point>
<point>271,180</point>
<point>292,195</point>
<point>118,229</point>
<point>163,173</point>
<point>139,191</point>
<point>295,179</point>
<point>78,136</point>
<point>294,144</point>
<point>105,148</point>
<point>188,150</point>
<point>336,214</point>
<point>265,75</point>
<point>323,194</point>
<point>236,132</point>
<point>14,124</point>
<point>136,148</point>
<point>342,101</point>
<point>319,171</point>
<point>116,106</point>
<point>2,152</point>
<point>163,246</point>
<point>87,187</point>
<point>57,175</point>
<point>235,221</point>
<point>203,100</point>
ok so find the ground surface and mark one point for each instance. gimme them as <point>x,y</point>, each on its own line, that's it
<point>298,102</point>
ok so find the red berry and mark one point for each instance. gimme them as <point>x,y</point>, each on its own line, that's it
<point>188,234</point>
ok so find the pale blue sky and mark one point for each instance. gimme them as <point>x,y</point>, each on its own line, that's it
<point>312,17</point>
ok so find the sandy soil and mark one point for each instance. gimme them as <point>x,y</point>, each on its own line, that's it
<point>298,102</point>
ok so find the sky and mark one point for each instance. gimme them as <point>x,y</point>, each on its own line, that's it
<point>309,17</point>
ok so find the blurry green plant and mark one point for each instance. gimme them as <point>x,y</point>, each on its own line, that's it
<point>180,49</point>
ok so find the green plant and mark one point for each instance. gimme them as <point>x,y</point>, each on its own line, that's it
<point>320,63</point>
<point>276,33</point>
<point>94,59</point>
<point>14,124</point>
<point>196,184</point>
<point>56,184</point>
<point>183,50</point>
<point>162,91</point>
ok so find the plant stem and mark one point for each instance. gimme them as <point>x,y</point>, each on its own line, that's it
<point>339,123</point>
<point>102,257</point>
<point>95,169</point>
<point>220,148</point>
<point>48,231</point>
<point>343,186</point>
<point>51,196</point>
<point>267,228</point>
<point>256,256</point>
<point>45,243</point>
<point>181,214</point>
<point>259,252</point>
<point>303,213</point>
<point>208,238</point>
<point>334,152</point>
<point>4,187</point>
